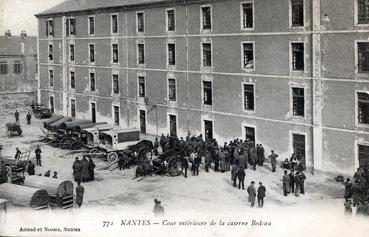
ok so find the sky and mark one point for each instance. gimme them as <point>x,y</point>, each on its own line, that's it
<point>18,15</point>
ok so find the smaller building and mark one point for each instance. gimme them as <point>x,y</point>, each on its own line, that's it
<point>18,63</point>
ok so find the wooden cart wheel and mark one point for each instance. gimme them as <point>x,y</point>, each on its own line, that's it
<point>175,166</point>
<point>65,143</point>
<point>112,157</point>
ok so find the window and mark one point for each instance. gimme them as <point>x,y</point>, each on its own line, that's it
<point>72,80</point>
<point>208,126</point>
<point>298,101</point>
<point>206,55</point>
<point>91,25</point>
<point>248,96</point>
<point>73,108</point>
<point>208,94</point>
<point>17,67</point>
<point>172,125</point>
<point>298,145</point>
<point>140,22</point>
<point>3,68</point>
<point>247,15</point>
<point>250,134</point>
<point>363,57</point>
<point>141,87</point>
<point>115,84</point>
<point>363,12</point>
<point>172,90</point>
<point>51,54</point>
<point>114,24</point>
<point>92,81</point>
<point>71,26</point>
<point>171,20</point>
<point>116,115</point>
<point>50,28</point>
<point>363,107</point>
<point>363,152</point>
<point>71,52</point>
<point>93,112</point>
<point>248,56</point>
<point>51,77</point>
<point>298,63</point>
<point>51,101</point>
<point>171,54</point>
<point>115,55</point>
<point>141,53</point>
<point>92,53</point>
<point>297,13</point>
<point>206,18</point>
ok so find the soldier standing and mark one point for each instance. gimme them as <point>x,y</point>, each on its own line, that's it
<point>17,153</point>
<point>38,155</point>
<point>273,160</point>
<point>16,115</point>
<point>80,190</point>
<point>184,163</point>
<point>261,195</point>
<point>252,193</point>
<point>156,146</point>
<point>28,117</point>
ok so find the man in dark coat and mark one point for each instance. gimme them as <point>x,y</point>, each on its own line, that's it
<point>241,178</point>
<point>286,183</point>
<point>297,183</point>
<point>261,195</point>
<point>17,153</point>
<point>292,181</point>
<point>3,172</point>
<point>38,155</point>
<point>80,190</point>
<point>252,193</point>
<point>91,169</point>
<point>156,146</point>
<point>85,172</point>
<point>355,193</point>
<point>77,170</point>
<point>196,164</point>
<point>261,156</point>
<point>16,115</point>
<point>166,147</point>
<point>273,160</point>
<point>184,162</point>
<point>31,168</point>
<point>253,157</point>
<point>302,182</point>
<point>234,174</point>
<point>207,161</point>
<point>163,140</point>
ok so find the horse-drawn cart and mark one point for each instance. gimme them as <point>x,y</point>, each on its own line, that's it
<point>18,166</point>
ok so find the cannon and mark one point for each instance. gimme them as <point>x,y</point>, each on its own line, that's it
<point>167,163</point>
<point>13,129</point>
<point>52,120</point>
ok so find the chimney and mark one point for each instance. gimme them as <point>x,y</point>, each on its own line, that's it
<point>8,33</point>
<point>23,33</point>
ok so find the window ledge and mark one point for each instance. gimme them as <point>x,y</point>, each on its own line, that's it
<point>248,70</point>
<point>361,125</point>
<point>248,111</point>
<point>247,29</point>
<point>206,107</point>
<point>206,32</point>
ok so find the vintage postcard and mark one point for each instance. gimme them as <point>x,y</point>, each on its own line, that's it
<point>184,118</point>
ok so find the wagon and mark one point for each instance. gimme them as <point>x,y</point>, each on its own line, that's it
<point>40,111</point>
<point>18,167</point>
<point>169,163</point>
<point>13,129</point>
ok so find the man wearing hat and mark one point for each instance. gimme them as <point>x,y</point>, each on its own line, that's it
<point>261,195</point>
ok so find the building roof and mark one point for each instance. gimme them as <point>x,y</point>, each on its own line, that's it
<point>12,46</point>
<point>85,5</point>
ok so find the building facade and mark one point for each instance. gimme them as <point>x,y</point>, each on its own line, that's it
<point>18,63</point>
<point>290,74</point>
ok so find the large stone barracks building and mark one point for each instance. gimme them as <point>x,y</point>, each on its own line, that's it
<point>290,74</point>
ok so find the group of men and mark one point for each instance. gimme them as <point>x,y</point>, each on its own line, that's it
<point>84,170</point>
<point>357,192</point>
<point>260,194</point>
<point>294,182</point>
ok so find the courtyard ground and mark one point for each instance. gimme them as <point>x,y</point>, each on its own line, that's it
<point>210,196</point>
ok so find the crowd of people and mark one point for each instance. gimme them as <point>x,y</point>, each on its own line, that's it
<point>357,192</point>
<point>84,169</point>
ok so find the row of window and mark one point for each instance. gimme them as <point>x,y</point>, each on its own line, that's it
<point>247,15</point>
<point>17,68</point>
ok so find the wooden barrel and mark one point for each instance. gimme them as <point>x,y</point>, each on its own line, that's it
<point>56,125</point>
<point>52,120</point>
<point>24,196</point>
<point>54,187</point>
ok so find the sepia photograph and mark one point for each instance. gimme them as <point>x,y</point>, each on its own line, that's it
<point>184,118</point>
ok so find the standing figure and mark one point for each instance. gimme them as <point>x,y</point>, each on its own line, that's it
<point>196,164</point>
<point>273,160</point>
<point>222,160</point>
<point>3,172</point>
<point>28,117</point>
<point>156,146</point>
<point>261,195</point>
<point>241,178</point>
<point>38,155</point>
<point>348,208</point>
<point>91,168</point>
<point>80,190</point>
<point>77,170</point>
<point>184,162</point>
<point>302,182</point>
<point>85,173</point>
<point>17,153</point>
<point>30,168</point>
<point>207,161</point>
<point>55,176</point>
<point>234,174</point>
<point>252,193</point>
<point>297,183</point>
<point>253,157</point>
<point>158,208</point>
<point>261,156</point>
<point>292,180</point>
<point>286,183</point>
<point>16,115</point>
